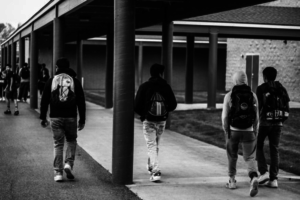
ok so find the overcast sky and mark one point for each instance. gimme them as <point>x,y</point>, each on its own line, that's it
<point>19,11</point>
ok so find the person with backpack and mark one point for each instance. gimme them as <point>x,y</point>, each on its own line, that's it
<point>11,92</point>
<point>274,110</point>
<point>43,77</point>
<point>2,84</point>
<point>240,120</point>
<point>154,100</point>
<point>65,95</point>
<point>24,74</point>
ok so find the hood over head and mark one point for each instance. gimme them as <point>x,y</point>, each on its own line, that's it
<point>68,71</point>
<point>240,78</point>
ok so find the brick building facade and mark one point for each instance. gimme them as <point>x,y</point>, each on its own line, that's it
<point>284,55</point>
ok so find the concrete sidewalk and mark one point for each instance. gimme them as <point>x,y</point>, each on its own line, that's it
<point>190,169</point>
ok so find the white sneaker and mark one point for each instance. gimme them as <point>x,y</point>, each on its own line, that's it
<point>264,178</point>
<point>254,187</point>
<point>68,170</point>
<point>58,176</point>
<point>231,183</point>
<point>272,184</point>
<point>156,176</point>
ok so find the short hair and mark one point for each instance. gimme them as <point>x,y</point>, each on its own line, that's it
<point>270,73</point>
<point>63,63</point>
<point>25,64</point>
<point>157,69</point>
<point>8,65</point>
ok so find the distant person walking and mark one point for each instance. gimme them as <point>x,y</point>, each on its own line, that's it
<point>65,95</point>
<point>2,84</point>
<point>154,100</point>
<point>11,92</point>
<point>24,73</point>
<point>43,77</point>
<point>240,123</point>
<point>274,110</point>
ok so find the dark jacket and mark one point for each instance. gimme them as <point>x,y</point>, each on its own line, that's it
<point>260,91</point>
<point>143,96</point>
<point>68,111</point>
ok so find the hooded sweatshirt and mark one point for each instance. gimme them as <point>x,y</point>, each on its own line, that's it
<point>239,78</point>
<point>67,87</point>
<point>143,96</point>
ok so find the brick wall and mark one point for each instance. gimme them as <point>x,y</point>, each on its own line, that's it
<point>283,55</point>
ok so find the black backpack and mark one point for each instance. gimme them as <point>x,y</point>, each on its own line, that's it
<point>25,73</point>
<point>242,112</point>
<point>275,103</point>
<point>156,106</point>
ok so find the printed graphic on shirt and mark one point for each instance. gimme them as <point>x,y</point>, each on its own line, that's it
<point>64,84</point>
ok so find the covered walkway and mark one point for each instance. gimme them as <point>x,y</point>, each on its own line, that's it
<point>190,169</point>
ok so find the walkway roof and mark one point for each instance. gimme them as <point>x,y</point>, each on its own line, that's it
<point>91,18</point>
<point>261,22</point>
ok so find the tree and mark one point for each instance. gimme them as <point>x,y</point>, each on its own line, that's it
<point>4,34</point>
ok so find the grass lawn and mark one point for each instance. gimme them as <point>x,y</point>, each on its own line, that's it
<point>206,126</point>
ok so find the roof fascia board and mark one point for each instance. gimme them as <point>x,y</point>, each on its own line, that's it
<point>68,6</point>
<point>47,18</point>
<point>239,25</point>
<point>31,20</point>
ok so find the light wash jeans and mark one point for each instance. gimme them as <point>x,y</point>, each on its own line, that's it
<point>64,128</point>
<point>248,141</point>
<point>152,133</point>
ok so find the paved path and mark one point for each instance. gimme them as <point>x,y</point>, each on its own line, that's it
<point>26,157</point>
<point>191,169</point>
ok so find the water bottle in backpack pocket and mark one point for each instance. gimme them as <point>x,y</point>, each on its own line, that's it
<point>242,112</point>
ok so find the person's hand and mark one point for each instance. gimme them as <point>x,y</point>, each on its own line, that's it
<point>80,127</point>
<point>44,123</point>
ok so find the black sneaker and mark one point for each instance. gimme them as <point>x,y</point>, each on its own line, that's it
<point>7,112</point>
<point>16,112</point>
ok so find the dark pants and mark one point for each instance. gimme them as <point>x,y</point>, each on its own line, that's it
<point>273,133</point>
<point>23,91</point>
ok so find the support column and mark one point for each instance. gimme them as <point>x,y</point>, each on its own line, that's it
<point>167,51</point>
<point>8,58</point>
<point>140,64</point>
<point>79,53</point>
<point>189,72</point>
<point>109,71</point>
<point>33,70</point>
<point>2,57</point>
<point>124,75</point>
<point>21,51</point>
<point>13,56</point>
<point>58,42</point>
<point>212,71</point>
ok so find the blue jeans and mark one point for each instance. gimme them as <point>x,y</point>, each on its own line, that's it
<point>152,133</point>
<point>64,128</point>
<point>273,133</point>
<point>248,141</point>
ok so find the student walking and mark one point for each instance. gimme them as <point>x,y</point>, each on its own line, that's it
<point>240,122</point>
<point>65,95</point>
<point>2,84</point>
<point>274,109</point>
<point>11,92</point>
<point>24,73</point>
<point>154,100</point>
<point>43,77</point>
